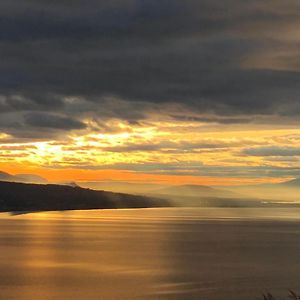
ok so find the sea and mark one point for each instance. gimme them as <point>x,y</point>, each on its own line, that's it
<point>157,253</point>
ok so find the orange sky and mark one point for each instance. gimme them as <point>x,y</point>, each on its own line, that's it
<point>169,152</point>
<point>62,175</point>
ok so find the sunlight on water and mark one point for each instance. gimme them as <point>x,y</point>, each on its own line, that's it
<point>163,214</point>
<point>149,254</point>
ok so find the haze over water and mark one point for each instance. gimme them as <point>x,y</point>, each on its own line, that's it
<point>170,253</point>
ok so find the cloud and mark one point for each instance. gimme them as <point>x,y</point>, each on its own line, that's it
<point>52,121</point>
<point>272,151</point>
<point>25,127</point>
<point>195,168</point>
<point>201,54</point>
<point>175,147</point>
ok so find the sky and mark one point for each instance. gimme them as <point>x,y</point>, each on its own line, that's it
<point>163,91</point>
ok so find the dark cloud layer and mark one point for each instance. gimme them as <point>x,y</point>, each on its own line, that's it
<point>272,151</point>
<point>220,57</point>
<point>52,121</point>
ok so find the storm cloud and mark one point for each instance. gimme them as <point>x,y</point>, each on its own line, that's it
<point>222,57</point>
<point>52,121</point>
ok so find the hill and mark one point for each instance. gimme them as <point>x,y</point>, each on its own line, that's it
<point>284,191</point>
<point>121,186</point>
<point>195,191</point>
<point>25,178</point>
<point>6,177</point>
<point>38,197</point>
<point>30,178</point>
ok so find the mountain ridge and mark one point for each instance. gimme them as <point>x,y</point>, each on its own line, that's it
<point>25,178</point>
<point>46,197</point>
<point>196,190</point>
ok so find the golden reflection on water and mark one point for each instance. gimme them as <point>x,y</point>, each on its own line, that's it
<point>148,254</point>
<point>162,214</point>
<point>63,256</point>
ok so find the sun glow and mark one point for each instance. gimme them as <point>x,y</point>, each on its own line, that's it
<point>165,150</point>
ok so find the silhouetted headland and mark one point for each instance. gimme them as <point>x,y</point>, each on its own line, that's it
<point>40,197</point>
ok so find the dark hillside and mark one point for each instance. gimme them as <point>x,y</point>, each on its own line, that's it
<point>34,197</point>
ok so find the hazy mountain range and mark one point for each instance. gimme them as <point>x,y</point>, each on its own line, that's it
<point>196,190</point>
<point>26,178</point>
<point>186,195</point>
<point>45,197</point>
<point>285,191</point>
<point>200,195</point>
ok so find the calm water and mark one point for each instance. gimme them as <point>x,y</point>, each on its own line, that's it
<point>168,253</point>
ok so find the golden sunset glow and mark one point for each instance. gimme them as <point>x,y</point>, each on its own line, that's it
<point>157,151</point>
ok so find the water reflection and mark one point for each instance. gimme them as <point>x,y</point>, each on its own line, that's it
<point>148,254</point>
<point>232,260</point>
<point>65,258</point>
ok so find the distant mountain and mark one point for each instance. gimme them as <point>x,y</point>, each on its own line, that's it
<point>30,178</point>
<point>121,186</point>
<point>25,178</point>
<point>6,177</point>
<point>195,191</point>
<point>290,183</point>
<point>205,196</point>
<point>41,197</point>
<point>284,191</point>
